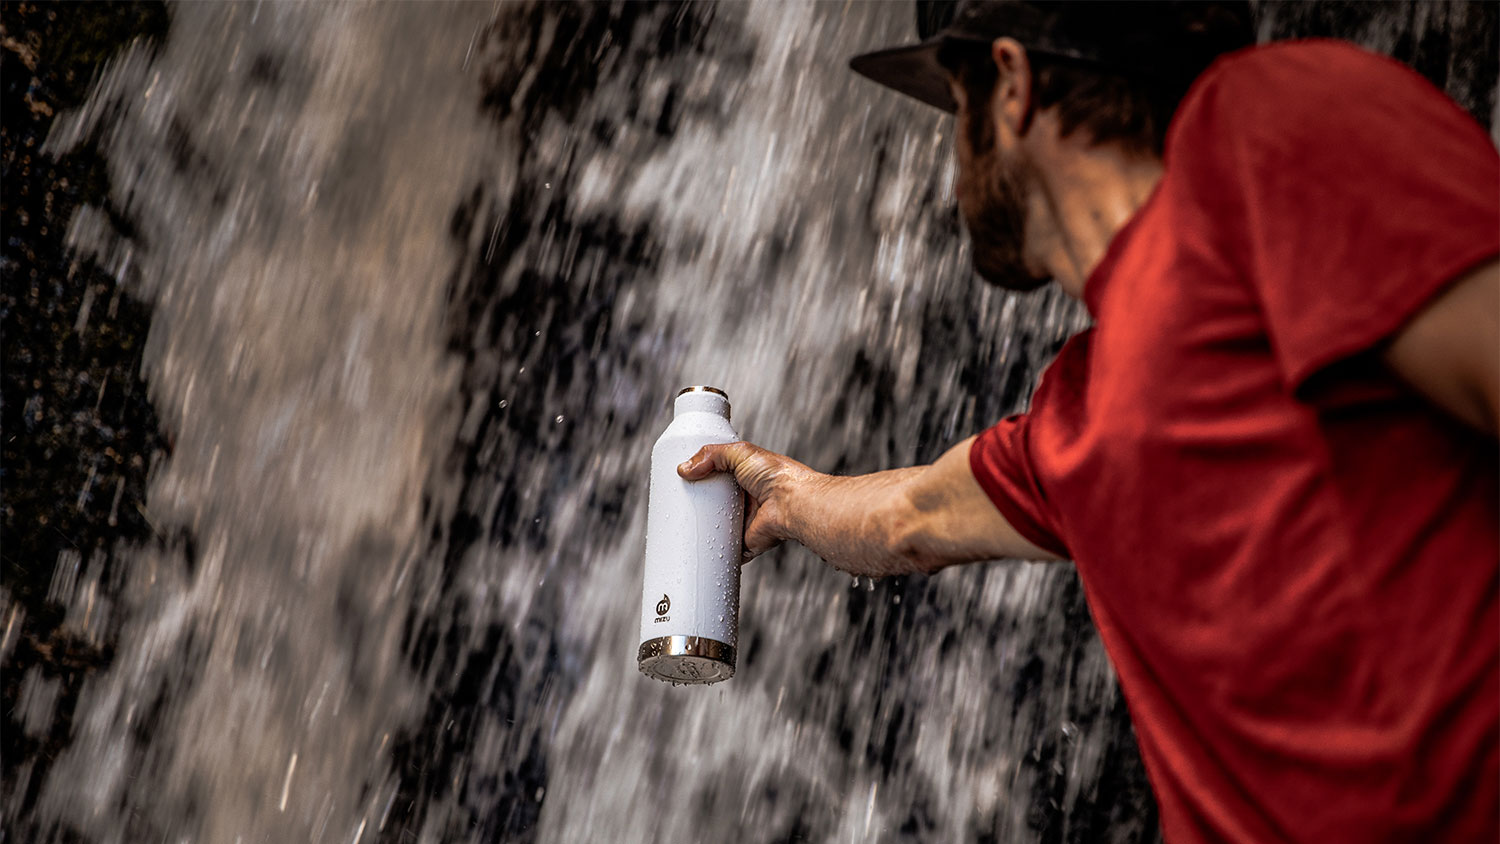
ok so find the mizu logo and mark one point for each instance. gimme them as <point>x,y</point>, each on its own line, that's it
<point>662,607</point>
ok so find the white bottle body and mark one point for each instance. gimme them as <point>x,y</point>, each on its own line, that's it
<point>691,592</point>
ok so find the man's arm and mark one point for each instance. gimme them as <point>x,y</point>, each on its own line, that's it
<point>1450,351</point>
<point>918,519</point>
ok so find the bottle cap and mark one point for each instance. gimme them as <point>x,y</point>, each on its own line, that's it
<point>708,399</point>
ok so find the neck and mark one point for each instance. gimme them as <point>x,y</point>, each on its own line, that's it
<point>1084,196</point>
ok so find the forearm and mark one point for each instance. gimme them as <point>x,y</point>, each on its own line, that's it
<point>906,520</point>
<point>896,522</point>
<point>857,524</point>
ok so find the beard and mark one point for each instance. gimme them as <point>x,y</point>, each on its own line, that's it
<point>993,202</point>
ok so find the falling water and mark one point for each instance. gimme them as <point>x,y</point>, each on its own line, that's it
<point>290,212</point>
<point>424,280</point>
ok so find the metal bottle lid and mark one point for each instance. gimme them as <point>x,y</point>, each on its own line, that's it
<point>709,401</point>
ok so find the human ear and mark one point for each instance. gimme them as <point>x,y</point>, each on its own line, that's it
<point>1013,102</point>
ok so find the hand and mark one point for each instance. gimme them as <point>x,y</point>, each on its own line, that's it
<point>767,479</point>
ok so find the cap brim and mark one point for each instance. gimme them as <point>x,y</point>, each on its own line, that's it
<point>912,70</point>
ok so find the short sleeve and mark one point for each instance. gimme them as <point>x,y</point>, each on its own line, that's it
<point>1001,461</point>
<point>1348,190</point>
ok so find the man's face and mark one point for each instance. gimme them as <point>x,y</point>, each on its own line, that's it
<point>993,189</point>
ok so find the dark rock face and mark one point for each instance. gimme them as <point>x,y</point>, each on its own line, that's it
<point>1455,45</point>
<point>80,436</point>
<point>79,433</point>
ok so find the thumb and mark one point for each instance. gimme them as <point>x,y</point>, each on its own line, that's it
<point>708,460</point>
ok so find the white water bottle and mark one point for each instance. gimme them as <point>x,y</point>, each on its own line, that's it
<point>690,601</point>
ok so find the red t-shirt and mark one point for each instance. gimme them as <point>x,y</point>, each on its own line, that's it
<point>1293,560</point>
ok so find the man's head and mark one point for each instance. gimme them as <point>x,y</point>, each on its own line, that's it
<point>1096,73</point>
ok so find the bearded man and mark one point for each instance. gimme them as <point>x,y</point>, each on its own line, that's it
<point>1273,456</point>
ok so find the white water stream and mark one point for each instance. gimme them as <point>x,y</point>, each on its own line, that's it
<point>424,278</point>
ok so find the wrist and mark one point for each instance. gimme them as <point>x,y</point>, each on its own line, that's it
<point>802,498</point>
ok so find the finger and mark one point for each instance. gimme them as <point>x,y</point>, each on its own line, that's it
<point>757,542</point>
<point>721,457</point>
<point>751,508</point>
<point>761,534</point>
<point>702,464</point>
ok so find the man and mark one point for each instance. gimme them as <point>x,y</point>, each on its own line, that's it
<point>1273,457</point>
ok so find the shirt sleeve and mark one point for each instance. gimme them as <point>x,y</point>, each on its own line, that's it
<point>1347,188</point>
<point>1001,461</point>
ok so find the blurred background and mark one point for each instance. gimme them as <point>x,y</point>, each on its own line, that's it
<point>335,340</point>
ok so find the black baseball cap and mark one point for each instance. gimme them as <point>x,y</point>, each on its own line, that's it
<point>1170,42</point>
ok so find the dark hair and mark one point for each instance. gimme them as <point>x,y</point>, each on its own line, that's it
<point>1111,107</point>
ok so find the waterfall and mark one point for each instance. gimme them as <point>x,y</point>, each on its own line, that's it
<point>423,280</point>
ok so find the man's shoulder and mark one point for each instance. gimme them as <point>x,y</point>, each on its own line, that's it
<point>1269,71</point>
<point>1328,53</point>
<point>1296,88</point>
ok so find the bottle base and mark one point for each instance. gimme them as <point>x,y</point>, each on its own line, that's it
<point>686,659</point>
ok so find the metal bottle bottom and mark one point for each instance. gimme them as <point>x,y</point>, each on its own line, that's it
<point>686,659</point>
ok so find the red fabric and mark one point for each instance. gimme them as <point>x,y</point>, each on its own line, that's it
<point>1293,560</point>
